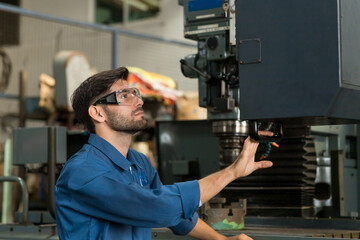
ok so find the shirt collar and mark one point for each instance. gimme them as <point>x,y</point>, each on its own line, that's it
<point>111,152</point>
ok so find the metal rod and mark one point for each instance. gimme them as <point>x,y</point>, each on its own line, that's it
<point>358,166</point>
<point>115,47</point>
<point>29,13</point>
<point>205,75</point>
<point>337,183</point>
<point>50,200</point>
<point>9,96</point>
<point>25,195</point>
<point>6,216</point>
<point>22,90</point>
<point>125,12</point>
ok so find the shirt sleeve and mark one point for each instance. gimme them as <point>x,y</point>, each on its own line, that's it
<point>107,198</point>
<point>186,225</point>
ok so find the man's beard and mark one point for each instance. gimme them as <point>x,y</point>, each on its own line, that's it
<point>120,123</point>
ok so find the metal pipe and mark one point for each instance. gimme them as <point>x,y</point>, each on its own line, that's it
<point>205,75</point>
<point>34,14</point>
<point>22,93</point>
<point>115,46</point>
<point>22,114</point>
<point>358,166</point>
<point>25,195</point>
<point>50,200</point>
<point>125,12</point>
<point>9,96</point>
<point>6,216</point>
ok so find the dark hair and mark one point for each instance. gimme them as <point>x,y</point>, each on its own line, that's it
<point>92,89</point>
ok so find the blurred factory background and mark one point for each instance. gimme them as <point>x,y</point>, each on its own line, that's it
<point>31,42</point>
<point>313,192</point>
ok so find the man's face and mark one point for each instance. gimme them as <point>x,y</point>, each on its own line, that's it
<point>122,118</point>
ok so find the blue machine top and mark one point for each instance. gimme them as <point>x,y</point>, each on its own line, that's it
<point>198,5</point>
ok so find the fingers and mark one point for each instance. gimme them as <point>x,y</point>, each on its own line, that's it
<point>245,163</point>
<point>250,146</point>
<point>249,140</point>
<point>263,164</point>
<point>265,133</point>
<point>261,133</point>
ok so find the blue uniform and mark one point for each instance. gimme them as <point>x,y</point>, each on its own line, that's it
<point>102,195</point>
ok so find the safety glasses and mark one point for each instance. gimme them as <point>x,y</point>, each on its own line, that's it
<point>125,97</point>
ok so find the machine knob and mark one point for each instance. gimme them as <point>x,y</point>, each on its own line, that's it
<point>212,43</point>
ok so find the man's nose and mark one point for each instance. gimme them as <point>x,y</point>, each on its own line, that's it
<point>139,102</point>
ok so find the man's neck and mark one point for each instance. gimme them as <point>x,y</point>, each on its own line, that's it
<point>120,140</point>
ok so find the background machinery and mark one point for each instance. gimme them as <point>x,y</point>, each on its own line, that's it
<point>288,66</point>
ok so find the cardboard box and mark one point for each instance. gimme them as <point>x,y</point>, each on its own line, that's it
<point>188,107</point>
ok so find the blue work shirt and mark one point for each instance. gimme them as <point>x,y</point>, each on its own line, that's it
<point>102,195</point>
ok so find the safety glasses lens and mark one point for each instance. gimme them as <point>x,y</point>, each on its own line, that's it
<point>127,96</point>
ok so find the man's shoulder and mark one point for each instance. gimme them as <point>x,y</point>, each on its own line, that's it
<point>85,156</point>
<point>84,166</point>
<point>88,159</point>
<point>87,153</point>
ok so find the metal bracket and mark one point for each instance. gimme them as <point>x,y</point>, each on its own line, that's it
<point>250,51</point>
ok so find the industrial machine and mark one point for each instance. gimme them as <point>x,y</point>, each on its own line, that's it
<point>285,66</point>
<point>282,65</point>
<point>41,151</point>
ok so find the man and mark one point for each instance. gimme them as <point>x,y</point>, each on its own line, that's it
<point>109,191</point>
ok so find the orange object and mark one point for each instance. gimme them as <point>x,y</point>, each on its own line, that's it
<point>154,85</point>
<point>275,144</point>
<point>262,157</point>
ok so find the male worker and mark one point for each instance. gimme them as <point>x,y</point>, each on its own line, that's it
<point>109,191</point>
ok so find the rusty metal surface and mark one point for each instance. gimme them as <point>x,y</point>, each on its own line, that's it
<point>304,232</point>
<point>224,217</point>
<point>271,234</point>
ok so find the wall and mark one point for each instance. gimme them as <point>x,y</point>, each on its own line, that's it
<point>81,10</point>
<point>40,40</point>
<point>150,55</point>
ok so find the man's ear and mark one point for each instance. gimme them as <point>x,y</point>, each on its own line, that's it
<point>97,113</point>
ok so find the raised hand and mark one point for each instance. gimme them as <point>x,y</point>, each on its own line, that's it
<point>245,163</point>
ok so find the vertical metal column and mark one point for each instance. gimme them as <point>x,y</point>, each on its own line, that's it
<point>358,165</point>
<point>22,114</point>
<point>337,183</point>
<point>115,47</point>
<point>6,215</point>
<point>22,92</point>
<point>50,200</point>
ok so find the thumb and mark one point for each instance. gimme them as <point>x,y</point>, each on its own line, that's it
<point>263,164</point>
